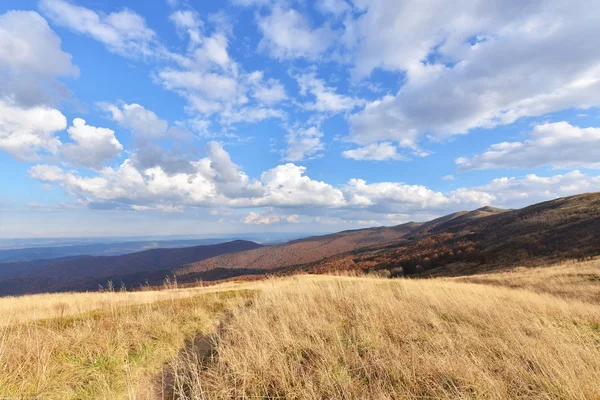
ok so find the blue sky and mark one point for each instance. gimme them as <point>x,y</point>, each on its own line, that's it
<point>181,117</point>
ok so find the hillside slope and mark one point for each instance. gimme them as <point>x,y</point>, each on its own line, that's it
<point>293,253</point>
<point>486,239</point>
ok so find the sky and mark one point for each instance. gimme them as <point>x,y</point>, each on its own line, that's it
<point>195,117</point>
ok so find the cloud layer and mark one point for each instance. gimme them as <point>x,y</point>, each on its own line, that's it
<point>559,144</point>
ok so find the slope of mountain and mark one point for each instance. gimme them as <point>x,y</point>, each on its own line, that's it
<point>485,239</point>
<point>459,243</point>
<point>86,272</point>
<point>296,252</point>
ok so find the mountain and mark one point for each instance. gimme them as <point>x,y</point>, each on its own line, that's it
<point>86,272</point>
<point>296,252</point>
<point>460,243</point>
<point>485,239</point>
<point>97,249</point>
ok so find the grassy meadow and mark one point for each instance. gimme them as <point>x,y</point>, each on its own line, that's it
<point>522,333</point>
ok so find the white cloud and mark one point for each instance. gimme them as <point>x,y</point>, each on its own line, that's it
<point>374,152</point>
<point>204,75</point>
<point>287,185</point>
<point>393,197</point>
<point>123,32</point>
<point>252,3</point>
<point>226,175</point>
<point>46,173</point>
<point>25,132</point>
<point>303,144</point>
<point>559,144</point>
<point>250,114</point>
<point>92,146</point>
<point>31,59</point>
<point>210,85</point>
<point>326,98</point>
<point>518,192</point>
<point>474,65</point>
<point>448,177</point>
<point>147,127</point>
<point>141,121</point>
<point>254,218</point>
<point>269,92</point>
<point>186,19</point>
<point>288,34</point>
<point>334,7</point>
<point>216,181</point>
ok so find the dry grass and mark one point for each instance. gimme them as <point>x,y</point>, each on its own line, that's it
<point>21,309</point>
<point>571,280</point>
<point>116,352</point>
<point>313,337</point>
<point>354,338</point>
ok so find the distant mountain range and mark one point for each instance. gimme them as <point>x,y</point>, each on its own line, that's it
<point>12,250</point>
<point>80,273</point>
<point>97,249</point>
<point>460,243</point>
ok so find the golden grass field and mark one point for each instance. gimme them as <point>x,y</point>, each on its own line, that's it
<point>523,333</point>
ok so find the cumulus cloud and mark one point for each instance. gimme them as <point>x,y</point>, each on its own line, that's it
<point>227,177</point>
<point>216,181</point>
<point>288,34</point>
<point>521,191</point>
<point>27,132</point>
<point>213,83</point>
<point>559,144</point>
<point>252,3</point>
<point>254,218</point>
<point>123,32</point>
<point>393,197</point>
<point>142,122</point>
<point>333,7</point>
<point>326,98</point>
<point>303,144</point>
<point>147,128</point>
<point>91,146</point>
<point>31,60</point>
<point>250,114</point>
<point>269,91</point>
<point>148,155</point>
<point>374,152</point>
<point>469,65</point>
<point>288,185</point>
<point>186,20</point>
<point>205,75</point>
<point>472,65</point>
<point>46,173</point>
